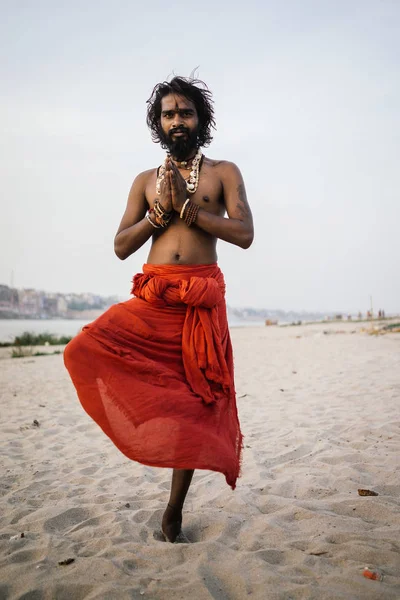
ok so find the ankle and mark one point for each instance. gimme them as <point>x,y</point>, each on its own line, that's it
<point>175,507</point>
<point>172,514</point>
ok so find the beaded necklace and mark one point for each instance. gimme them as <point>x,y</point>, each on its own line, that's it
<point>194,175</point>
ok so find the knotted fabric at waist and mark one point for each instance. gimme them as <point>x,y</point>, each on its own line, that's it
<point>202,289</point>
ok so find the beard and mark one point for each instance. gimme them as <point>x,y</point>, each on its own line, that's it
<point>181,147</point>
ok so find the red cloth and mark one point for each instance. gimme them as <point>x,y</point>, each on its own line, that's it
<point>156,372</point>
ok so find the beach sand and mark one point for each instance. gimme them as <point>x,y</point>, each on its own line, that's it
<point>321,417</point>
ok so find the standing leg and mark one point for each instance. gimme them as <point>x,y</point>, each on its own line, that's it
<point>172,518</point>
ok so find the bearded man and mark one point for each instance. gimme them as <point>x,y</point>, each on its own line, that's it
<point>156,372</point>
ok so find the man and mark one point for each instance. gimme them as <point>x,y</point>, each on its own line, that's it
<point>156,372</point>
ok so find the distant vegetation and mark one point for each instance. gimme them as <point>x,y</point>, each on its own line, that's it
<point>392,327</point>
<point>32,339</point>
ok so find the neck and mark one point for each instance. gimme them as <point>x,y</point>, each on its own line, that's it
<point>187,159</point>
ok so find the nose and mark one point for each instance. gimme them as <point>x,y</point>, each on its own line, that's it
<point>177,121</point>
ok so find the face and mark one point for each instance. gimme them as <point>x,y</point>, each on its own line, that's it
<point>179,126</point>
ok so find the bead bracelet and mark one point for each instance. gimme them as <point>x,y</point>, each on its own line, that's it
<point>151,222</point>
<point>163,217</point>
<point>190,213</point>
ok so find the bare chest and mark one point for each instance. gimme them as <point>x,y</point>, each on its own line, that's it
<point>209,194</point>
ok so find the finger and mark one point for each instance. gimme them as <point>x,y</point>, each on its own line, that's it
<point>165,185</point>
<point>174,168</point>
<point>170,185</point>
<point>172,192</point>
<point>172,180</point>
<point>178,174</point>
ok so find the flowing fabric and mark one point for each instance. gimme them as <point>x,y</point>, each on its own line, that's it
<point>156,372</point>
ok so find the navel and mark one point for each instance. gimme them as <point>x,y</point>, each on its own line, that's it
<point>206,199</point>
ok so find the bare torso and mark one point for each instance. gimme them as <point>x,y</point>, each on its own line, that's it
<point>220,192</point>
<point>180,244</point>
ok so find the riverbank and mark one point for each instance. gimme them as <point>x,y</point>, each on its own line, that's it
<point>319,412</point>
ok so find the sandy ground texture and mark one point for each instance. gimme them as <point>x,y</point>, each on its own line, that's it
<point>321,417</point>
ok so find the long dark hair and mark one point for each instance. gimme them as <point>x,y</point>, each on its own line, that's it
<point>194,90</point>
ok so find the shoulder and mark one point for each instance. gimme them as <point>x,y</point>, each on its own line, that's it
<point>228,173</point>
<point>219,164</point>
<point>144,177</point>
<point>224,168</point>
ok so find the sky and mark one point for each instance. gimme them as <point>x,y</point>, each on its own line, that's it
<point>307,97</point>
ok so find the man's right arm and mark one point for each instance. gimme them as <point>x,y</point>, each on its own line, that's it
<point>134,229</point>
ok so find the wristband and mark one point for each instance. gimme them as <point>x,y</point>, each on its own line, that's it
<point>183,208</point>
<point>151,222</point>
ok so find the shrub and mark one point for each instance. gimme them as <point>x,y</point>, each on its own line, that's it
<point>31,339</point>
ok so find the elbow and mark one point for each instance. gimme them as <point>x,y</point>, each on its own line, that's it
<point>247,240</point>
<point>120,255</point>
<point>119,251</point>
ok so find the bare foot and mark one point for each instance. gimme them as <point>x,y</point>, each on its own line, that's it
<point>171,526</point>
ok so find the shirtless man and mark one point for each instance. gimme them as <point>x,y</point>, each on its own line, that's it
<point>221,189</point>
<point>182,207</point>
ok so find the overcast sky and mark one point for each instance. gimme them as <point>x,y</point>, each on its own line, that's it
<point>307,99</point>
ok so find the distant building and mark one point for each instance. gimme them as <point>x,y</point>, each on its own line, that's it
<point>30,303</point>
<point>62,306</point>
<point>9,305</point>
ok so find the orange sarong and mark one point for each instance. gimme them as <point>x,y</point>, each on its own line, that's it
<point>156,372</point>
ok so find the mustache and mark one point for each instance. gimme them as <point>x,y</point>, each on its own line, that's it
<point>178,130</point>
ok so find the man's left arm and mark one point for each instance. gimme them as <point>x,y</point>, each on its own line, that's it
<point>238,228</point>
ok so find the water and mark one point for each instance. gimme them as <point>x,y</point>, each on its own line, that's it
<point>233,323</point>
<point>10,328</point>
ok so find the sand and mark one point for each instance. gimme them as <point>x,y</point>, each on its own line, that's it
<point>321,418</point>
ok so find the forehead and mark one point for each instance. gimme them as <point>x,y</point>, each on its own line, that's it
<point>175,102</point>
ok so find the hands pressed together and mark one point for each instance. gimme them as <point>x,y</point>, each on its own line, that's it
<point>173,188</point>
